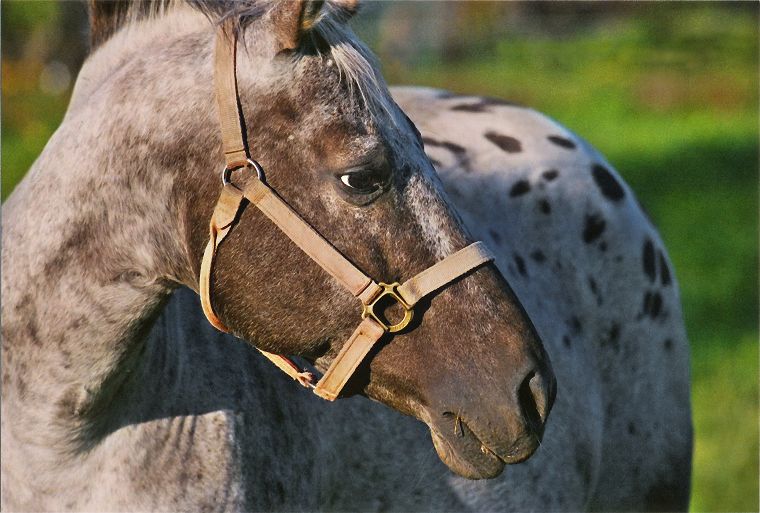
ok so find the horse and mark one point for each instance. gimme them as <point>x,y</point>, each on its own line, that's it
<point>118,395</point>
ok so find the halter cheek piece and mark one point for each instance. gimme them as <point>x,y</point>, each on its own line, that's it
<point>373,326</point>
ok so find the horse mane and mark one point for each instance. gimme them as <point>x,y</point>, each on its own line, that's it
<point>106,18</point>
<point>354,60</point>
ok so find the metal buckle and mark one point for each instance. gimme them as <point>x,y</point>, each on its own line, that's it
<point>226,172</point>
<point>368,310</point>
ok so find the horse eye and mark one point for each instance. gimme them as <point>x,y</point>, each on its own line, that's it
<point>361,182</point>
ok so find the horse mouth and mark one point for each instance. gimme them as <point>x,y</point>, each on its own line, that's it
<point>466,455</point>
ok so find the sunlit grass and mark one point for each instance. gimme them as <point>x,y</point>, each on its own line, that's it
<point>726,450</point>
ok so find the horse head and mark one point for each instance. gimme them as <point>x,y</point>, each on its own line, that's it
<point>333,144</point>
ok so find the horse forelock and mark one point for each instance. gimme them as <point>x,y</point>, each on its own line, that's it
<point>357,65</point>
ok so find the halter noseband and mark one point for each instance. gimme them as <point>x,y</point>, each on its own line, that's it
<point>258,193</point>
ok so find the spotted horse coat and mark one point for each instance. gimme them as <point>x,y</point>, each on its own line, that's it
<point>595,278</point>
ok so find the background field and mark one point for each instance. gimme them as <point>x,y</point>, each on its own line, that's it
<point>669,92</point>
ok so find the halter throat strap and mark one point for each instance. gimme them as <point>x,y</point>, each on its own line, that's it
<point>226,214</point>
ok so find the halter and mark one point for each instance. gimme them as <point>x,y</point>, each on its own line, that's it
<point>373,326</point>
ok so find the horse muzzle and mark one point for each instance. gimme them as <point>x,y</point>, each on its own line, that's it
<point>477,437</point>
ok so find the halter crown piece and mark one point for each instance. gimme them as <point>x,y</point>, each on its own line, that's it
<point>373,326</point>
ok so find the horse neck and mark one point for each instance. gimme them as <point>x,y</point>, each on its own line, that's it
<point>94,241</point>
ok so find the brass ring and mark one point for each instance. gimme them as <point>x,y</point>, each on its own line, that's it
<point>389,289</point>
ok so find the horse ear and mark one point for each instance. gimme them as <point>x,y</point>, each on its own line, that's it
<point>292,19</point>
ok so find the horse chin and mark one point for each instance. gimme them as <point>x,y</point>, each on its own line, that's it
<point>467,456</point>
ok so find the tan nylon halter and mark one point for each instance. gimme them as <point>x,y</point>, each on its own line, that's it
<point>258,193</point>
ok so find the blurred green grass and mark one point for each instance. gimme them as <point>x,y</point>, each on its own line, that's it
<point>669,93</point>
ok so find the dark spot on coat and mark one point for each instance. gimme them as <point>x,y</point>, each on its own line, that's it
<point>494,235</point>
<point>561,141</point>
<point>647,307</point>
<point>664,270</point>
<point>603,246</point>
<point>452,147</point>
<point>595,290</point>
<point>519,188</point>
<point>612,338</point>
<point>458,152</point>
<point>520,263</point>
<point>482,105</point>
<point>505,142</point>
<point>471,107</point>
<point>614,332</point>
<point>566,341</point>
<point>575,325</point>
<point>538,256</point>
<point>545,207</point>
<point>656,304</point>
<point>652,304</point>
<point>631,428</point>
<point>668,344</point>
<point>490,100</point>
<point>550,174</point>
<point>607,183</point>
<point>485,100</point>
<point>648,259</point>
<point>593,228</point>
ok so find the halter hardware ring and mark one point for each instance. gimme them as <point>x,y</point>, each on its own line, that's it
<point>227,171</point>
<point>389,289</point>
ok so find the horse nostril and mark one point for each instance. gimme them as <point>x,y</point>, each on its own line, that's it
<point>534,400</point>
